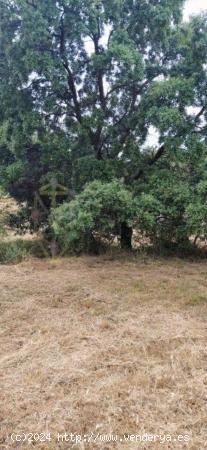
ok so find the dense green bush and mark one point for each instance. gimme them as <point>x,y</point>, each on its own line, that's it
<point>96,214</point>
<point>162,215</point>
<point>168,216</point>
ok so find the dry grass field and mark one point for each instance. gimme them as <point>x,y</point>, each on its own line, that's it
<point>104,345</point>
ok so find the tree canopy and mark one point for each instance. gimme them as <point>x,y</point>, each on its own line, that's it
<point>82,84</point>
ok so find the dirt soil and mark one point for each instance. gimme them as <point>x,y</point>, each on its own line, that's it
<point>102,346</point>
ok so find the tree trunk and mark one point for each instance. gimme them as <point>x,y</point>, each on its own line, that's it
<point>126,236</point>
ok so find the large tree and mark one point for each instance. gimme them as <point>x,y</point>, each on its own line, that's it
<point>82,82</point>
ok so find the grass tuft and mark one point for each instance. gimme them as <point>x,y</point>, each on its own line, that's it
<point>197,299</point>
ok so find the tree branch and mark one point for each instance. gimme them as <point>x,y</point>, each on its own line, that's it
<point>138,174</point>
<point>160,151</point>
<point>32,4</point>
<point>102,98</point>
<point>70,78</point>
<point>200,113</point>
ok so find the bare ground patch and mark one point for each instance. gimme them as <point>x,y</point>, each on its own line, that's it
<point>94,345</point>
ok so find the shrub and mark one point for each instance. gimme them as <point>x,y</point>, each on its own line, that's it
<point>96,214</point>
<point>14,251</point>
<point>164,223</point>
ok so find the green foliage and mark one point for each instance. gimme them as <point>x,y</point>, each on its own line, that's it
<point>88,168</point>
<point>81,84</point>
<point>97,211</point>
<point>162,218</point>
<point>2,225</point>
<point>3,218</point>
<point>12,252</point>
<point>197,220</point>
<point>172,203</point>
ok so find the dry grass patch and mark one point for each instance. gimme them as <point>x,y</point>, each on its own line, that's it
<point>97,345</point>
